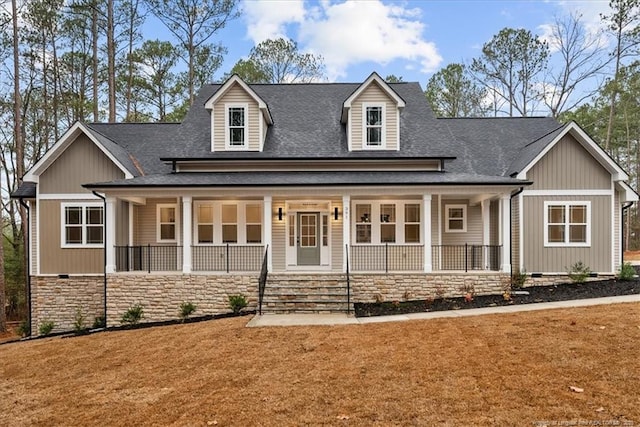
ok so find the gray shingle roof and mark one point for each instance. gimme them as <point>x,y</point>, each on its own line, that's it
<point>26,190</point>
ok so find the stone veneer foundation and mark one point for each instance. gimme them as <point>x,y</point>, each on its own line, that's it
<point>160,295</point>
<point>57,300</point>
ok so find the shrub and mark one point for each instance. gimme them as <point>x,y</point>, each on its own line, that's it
<point>79,325</point>
<point>187,308</point>
<point>24,329</point>
<point>99,322</point>
<point>578,272</point>
<point>46,327</point>
<point>133,315</point>
<point>518,279</point>
<point>237,302</point>
<point>627,272</point>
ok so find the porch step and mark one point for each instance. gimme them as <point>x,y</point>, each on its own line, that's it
<point>304,294</point>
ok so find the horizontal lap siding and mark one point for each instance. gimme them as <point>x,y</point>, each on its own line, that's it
<point>337,244</point>
<point>145,222</point>
<point>568,166</point>
<point>541,259</point>
<point>375,94</point>
<point>57,260</point>
<point>237,95</point>
<point>494,222</point>
<point>122,223</point>
<point>474,225</point>
<point>279,236</point>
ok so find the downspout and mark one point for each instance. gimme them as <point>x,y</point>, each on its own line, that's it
<point>622,242</point>
<point>519,207</point>
<point>27,251</point>
<point>104,255</point>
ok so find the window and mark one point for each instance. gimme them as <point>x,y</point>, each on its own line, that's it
<point>236,126</point>
<point>412,223</point>
<point>373,125</point>
<point>229,224</point>
<point>456,218</point>
<point>254,223</point>
<point>166,230</point>
<point>325,230</point>
<point>388,223</point>
<point>363,223</point>
<point>567,223</point>
<point>83,225</point>
<point>205,223</point>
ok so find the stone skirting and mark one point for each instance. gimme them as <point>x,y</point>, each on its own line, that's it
<point>557,279</point>
<point>161,295</point>
<point>399,287</point>
<point>58,300</point>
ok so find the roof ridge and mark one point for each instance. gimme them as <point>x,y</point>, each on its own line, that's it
<point>495,118</point>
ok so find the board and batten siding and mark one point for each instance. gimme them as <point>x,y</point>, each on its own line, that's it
<point>515,233</point>
<point>145,222</point>
<point>473,236</point>
<point>374,94</point>
<point>541,259</point>
<point>81,163</point>
<point>33,239</point>
<point>57,260</point>
<point>568,166</point>
<point>617,236</point>
<point>237,95</point>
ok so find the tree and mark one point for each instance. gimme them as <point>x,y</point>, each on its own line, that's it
<point>279,61</point>
<point>392,78</point>
<point>510,63</point>
<point>193,22</point>
<point>451,92</point>
<point>581,62</point>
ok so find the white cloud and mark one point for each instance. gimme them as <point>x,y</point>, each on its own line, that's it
<point>347,33</point>
<point>267,19</point>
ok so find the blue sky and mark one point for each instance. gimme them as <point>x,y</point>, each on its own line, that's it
<point>410,38</point>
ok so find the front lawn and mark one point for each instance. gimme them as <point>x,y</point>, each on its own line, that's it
<point>509,369</point>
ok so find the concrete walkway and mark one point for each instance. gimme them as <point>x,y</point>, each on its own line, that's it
<point>343,319</point>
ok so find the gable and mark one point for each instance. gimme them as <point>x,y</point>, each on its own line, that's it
<point>568,166</point>
<point>236,95</point>
<point>373,95</point>
<point>81,162</point>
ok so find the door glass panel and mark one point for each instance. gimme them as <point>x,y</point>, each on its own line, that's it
<point>308,229</point>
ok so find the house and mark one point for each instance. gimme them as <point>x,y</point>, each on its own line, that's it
<point>337,192</point>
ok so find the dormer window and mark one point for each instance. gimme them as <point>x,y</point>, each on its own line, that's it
<point>236,126</point>
<point>373,120</point>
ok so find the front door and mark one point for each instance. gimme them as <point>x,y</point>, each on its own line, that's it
<point>308,238</point>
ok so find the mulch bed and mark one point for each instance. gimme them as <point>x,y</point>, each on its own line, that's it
<point>535,294</point>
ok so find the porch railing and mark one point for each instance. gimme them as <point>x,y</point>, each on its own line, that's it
<point>148,258</point>
<point>227,257</point>
<point>466,257</point>
<point>387,257</point>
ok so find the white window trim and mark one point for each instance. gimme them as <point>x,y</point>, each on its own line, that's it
<point>176,225</point>
<point>375,223</point>
<point>84,206</point>
<point>241,222</point>
<point>566,205</point>
<point>227,131</point>
<point>383,142</point>
<point>196,223</point>
<point>447,208</point>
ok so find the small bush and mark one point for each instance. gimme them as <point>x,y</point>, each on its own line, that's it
<point>79,325</point>
<point>24,329</point>
<point>237,303</point>
<point>99,322</point>
<point>518,279</point>
<point>133,315</point>
<point>187,308</point>
<point>46,327</point>
<point>578,272</point>
<point>627,272</point>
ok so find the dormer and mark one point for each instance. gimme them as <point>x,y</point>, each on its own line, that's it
<point>239,117</point>
<point>372,116</point>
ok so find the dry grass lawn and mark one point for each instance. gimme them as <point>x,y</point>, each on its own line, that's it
<point>503,370</point>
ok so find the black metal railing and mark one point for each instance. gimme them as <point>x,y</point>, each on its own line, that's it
<point>226,257</point>
<point>346,248</point>
<point>466,257</point>
<point>387,257</point>
<point>148,258</point>
<point>262,281</point>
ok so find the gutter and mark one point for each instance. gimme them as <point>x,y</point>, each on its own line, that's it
<point>27,252</point>
<point>104,254</point>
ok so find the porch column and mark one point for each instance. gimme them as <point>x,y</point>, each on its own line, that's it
<point>267,220</point>
<point>186,234</point>
<point>110,235</point>
<point>346,229</point>
<point>486,230</point>
<point>505,234</point>
<point>426,233</point>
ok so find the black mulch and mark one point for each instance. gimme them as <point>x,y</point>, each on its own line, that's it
<point>535,294</point>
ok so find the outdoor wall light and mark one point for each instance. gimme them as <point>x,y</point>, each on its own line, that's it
<point>335,213</point>
<point>279,214</point>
